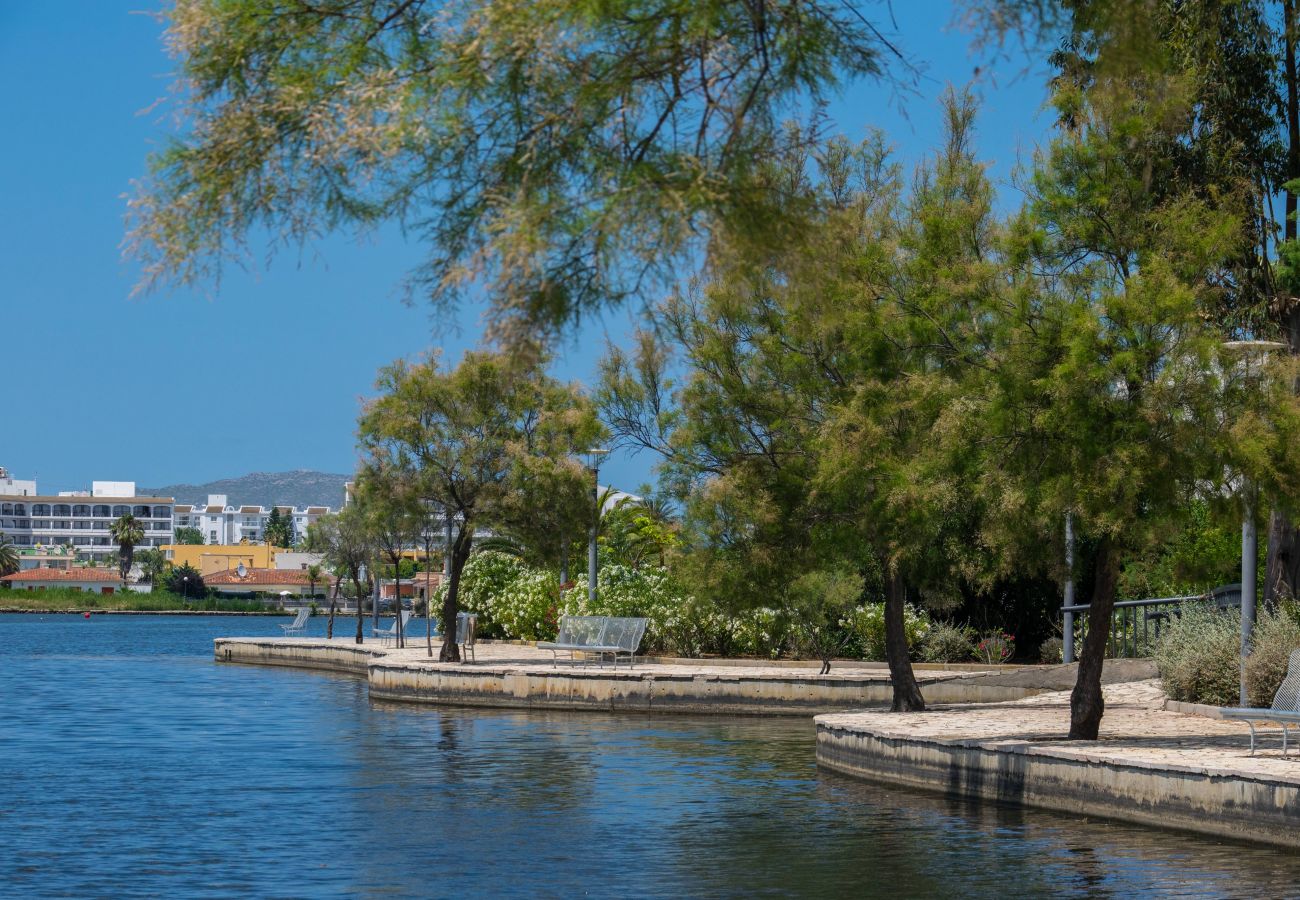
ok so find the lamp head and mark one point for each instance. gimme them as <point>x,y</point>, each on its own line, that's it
<point>594,455</point>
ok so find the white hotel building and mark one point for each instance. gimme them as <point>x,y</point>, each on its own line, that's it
<point>221,523</point>
<point>79,519</point>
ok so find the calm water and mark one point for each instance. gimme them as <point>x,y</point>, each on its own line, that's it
<point>133,765</point>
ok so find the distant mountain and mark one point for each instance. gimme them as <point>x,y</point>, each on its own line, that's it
<point>299,488</point>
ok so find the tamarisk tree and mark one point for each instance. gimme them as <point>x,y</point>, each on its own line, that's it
<point>469,436</point>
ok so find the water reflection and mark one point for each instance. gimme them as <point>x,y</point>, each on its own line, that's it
<point>132,765</point>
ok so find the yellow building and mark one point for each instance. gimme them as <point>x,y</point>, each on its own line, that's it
<point>212,558</point>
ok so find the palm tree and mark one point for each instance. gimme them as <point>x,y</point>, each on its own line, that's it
<point>127,532</point>
<point>313,576</point>
<point>8,556</point>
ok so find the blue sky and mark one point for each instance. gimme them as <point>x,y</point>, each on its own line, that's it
<point>267,372</point>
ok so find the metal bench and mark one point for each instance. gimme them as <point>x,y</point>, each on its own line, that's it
<point>1285,709</point>
<point>600,636</point>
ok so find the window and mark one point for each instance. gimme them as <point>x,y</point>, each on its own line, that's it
<point>20,509</point>
<point>61,523</point>
<point>162,512</point>
<point>81,509</point>
<point>6,509</point>
<point>212,536</point>
<point>121,511</point>
<point>62,509</point>
<point>102,511</point>
<point>40,509</point>
<point>140,512</point>
<point>81,525</point>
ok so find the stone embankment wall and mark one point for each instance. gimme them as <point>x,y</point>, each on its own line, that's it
<point>716,690</point>
<point>1228,805</point>
<point>300,655</point>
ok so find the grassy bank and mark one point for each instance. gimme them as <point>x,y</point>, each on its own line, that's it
<point>158,601</point>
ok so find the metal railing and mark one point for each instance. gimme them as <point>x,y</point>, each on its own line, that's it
<point>1135,625</point>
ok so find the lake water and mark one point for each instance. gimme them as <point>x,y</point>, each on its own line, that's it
<point>132,765</point>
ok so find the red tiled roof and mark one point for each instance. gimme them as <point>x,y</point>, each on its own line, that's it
<point>262,576</point>
<point>73,574</point>
<point>214,508</point>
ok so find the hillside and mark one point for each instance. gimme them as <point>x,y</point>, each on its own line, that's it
<point>298,488</point>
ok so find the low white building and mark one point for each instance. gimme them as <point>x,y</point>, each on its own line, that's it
<point>222,523</point>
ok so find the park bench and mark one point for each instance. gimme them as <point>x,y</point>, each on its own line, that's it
<point>1285,709</point>
<point>598,636</point>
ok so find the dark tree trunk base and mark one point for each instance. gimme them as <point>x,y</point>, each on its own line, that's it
<point>907,693</point>
<point>1086,702</point>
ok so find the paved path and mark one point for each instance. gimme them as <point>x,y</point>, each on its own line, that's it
<point>508,655</point>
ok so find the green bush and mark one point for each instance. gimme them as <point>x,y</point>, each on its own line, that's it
<point>1198,655</point>
<point>1276,634</point>
<point>1051,651</point>
<point>945,643</point>
<point>868,623</point>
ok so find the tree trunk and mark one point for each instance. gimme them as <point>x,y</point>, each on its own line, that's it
<point>397,600</point>
<point>907,693</point>
<point>428,594</point>
<point>450,604</point>
<point>361,616</point>
<point>1086,701</point>
<point>334,603</point>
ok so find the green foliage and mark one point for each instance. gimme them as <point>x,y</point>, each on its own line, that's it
<point>1276,635</point>
<point>1198,655</point>
<point>556,156</point>
<point>186,582</point>
<point>188,535</point>
<point>68,599</point>
<point>821,602</point>
<point>1203,552</point>
<point>154,565</point>
<point>947,643</point>
<point>868,623</point>
<point>279,529</point>
<point>1051,651</point>
<point>8,556</point>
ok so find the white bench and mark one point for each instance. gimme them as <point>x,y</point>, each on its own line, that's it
<point>598,635</point>
<point>1285,709</point>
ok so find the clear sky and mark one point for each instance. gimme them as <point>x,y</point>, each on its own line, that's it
<point>267,373</point>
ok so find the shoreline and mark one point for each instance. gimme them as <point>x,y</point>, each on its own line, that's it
<point>137,612</point>
<point>988,735</point>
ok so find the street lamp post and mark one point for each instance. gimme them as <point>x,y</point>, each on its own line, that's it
<point>594,456</point>
<point>1248,350</point>
<point>185,587</point>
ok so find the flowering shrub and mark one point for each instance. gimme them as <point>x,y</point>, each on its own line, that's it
<point>528,608</point>
<point>868,623</point>
<point>763,632</point>
<point>996,647</point>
